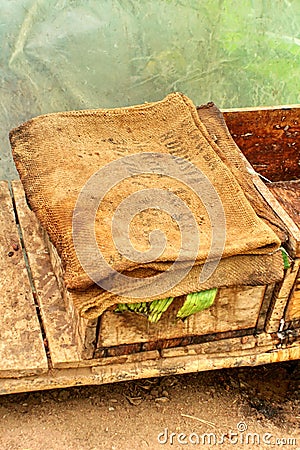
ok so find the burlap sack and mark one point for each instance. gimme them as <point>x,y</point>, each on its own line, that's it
<point>237,270</point>
<point>56,154</point>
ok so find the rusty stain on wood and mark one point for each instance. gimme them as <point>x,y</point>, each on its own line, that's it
<point>269,138</point>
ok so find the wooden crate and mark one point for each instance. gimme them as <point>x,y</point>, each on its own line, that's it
<point>237,310</point>
<point>41,348</point>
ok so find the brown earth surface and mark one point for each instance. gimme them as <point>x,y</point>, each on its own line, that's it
<point>230,405</point>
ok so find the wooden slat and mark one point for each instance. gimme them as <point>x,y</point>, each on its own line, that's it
<point>225,346</point>
<point>269,138</point>
<point>21,344</point>
<point>293,244</point>
<point>234,309</point>
<point>55,318</point>
<point>281,296</point>
<point>263,313</point>
<point>257,109</point>
<point>84,330</point>
<point>293,309</point>
<point>144,368</point>
<point>112,360</point>
<point>288,195</point>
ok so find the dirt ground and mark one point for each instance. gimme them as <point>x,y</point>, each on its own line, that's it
<point>206,410</point>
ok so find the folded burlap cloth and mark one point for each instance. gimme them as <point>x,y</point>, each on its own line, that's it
<point>190,160</point>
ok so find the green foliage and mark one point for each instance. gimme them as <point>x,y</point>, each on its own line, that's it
<point>152,310</point>
<point>197,302</point>
<point>286,258</point>
<point>193,303</point>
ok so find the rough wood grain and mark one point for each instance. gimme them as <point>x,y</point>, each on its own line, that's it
<point>234,308</point>
<point>21,344</point>
<point>263,313</point>
<point>84,330</point>
<point>269,138</point>
<point>55,318</point>
<point>293,309</point>
<point>115,372</point>
<point>225,346</point>
<point>288,195</point>
<point>111,360</point>
<point>281,297</point>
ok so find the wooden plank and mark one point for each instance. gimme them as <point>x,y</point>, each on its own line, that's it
<point>281,296</point>
<point>234,309</point>
<point>21,344</point>
<point>84,330</point>
<point>269,138</point>
<point>288,195</point>
<point>263,313</point>
<point>293,309</point>
<point>111,360</point>
<point>224,346</point>
<point>146,368</point>
<point>55,318</point>
<point>293,244</point>
<point>262,108</point>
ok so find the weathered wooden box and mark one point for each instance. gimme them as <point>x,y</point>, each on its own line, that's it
<point>44,343</point>
<point>237,311</point>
